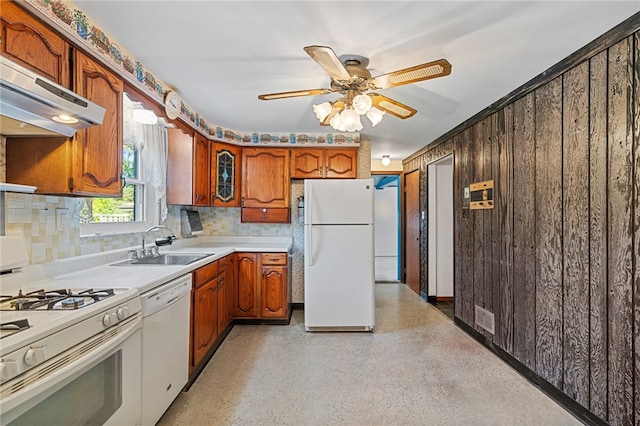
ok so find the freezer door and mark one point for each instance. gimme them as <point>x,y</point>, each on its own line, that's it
<point>338,201</point>
<point>339,276</point>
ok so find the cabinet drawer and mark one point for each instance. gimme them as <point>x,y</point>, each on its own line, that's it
<point>274,259</point>
<point>265,215</point>
<point>205,274</point>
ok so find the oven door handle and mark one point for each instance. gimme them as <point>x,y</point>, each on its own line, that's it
<point>36,384</point>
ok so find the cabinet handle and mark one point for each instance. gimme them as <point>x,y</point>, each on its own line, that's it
<point>123,179</point>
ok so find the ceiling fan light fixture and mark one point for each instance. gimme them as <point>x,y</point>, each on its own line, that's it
<point>362,104</point>
<point>322,110</point>
<point>375,116</point>
<point>335,122</point>
<point>350,120</point>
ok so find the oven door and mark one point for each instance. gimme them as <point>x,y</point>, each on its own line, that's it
<point>97,382</point>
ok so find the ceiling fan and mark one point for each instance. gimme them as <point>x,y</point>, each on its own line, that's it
<point>351,78</point>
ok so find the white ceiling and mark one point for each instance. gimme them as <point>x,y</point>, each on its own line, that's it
<point>220,55</point>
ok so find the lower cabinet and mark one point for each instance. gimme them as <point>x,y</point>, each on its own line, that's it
<point>204,325</point>
<point>273,285</point>
<point>245,297</point>
<point>241,285</point>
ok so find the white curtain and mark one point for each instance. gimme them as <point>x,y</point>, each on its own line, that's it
<point>154,157</point>
<point>151,142</point>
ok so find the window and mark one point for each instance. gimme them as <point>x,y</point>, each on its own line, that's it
<point>136,210</point>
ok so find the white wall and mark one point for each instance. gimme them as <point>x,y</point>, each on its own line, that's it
<point>386,209</point>
<point>440,228</point>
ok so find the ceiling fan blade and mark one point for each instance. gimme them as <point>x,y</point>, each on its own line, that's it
<point>427,71</point>
<point>294,94</point>
<point>394,108</point>
<point>329,61</point>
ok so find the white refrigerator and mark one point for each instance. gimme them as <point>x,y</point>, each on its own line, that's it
<point>339,255</point>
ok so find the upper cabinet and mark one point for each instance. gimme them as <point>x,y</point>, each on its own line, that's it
<point>323,163</point>
<point>30,43</point>
<point>266,185</point>
<point>225,173</point>
<point>90,163</point>
<point>98,149</point>
<point>188,167</point>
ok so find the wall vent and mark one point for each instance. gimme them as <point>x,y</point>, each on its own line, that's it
<point>485,319</point>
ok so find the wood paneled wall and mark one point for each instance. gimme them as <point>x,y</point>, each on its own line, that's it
<point>557,260</point>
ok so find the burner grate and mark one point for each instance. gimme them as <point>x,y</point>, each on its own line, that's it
<point>53,299</point>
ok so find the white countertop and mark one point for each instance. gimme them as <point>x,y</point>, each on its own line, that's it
<point>96,271</point>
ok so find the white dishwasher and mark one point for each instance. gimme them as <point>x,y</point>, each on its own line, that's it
<point>165,346</point>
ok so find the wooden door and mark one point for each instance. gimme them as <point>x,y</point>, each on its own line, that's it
<point>202,171</point>
<point>180,165</point>
<point>33,45</point>
<point>222,295</point>
<point>245,300</point>
<point>265,177</point>
<point>412,231</point>
<point>341,163</point>
<point>273,294</point>
<point>307,163</point>
<point>97,164</point>
<point>232,284</point>
<point>205,319</point>
<point>225,175</point>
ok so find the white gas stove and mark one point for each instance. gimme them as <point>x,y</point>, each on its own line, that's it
<point>54,340</point>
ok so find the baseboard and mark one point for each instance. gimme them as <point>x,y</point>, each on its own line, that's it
<point>444,299</point>
<point>554,393</point>
<point>297,306</point>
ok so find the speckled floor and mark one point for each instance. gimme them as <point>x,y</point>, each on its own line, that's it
<point>417,368</point>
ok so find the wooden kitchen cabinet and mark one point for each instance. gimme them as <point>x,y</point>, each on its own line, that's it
<point>225,173</point>
<point>204,311</point>
<point>245,298</point>
<point>90,163</point>
<point>188,167</point>
<point>28,42</point>
<point>318,163</point>
<point>223,288</point>
<point>231,282</point>
<point>273,285</point>
<point>262,286</point>
<point>266,185</point>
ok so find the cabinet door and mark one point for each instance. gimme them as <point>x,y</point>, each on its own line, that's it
<point>273,292</point>
<point>225,172</point>
<point>222,295</point>
<point>180,166</point>
<point>30,43</point>
<point>202,171</point>
<point>265,177</point>
<point>232,284</point>
<point>205,319</point>
<point>97,157</point>
<point>245,301</point>
<point>341,163</point>
<point>307,163</point>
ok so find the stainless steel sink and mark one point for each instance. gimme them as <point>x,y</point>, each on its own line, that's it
<point>165,259</point>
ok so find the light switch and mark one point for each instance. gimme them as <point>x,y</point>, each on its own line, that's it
<point>62,220</point>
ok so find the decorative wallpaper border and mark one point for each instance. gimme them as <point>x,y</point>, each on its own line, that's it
<point>76,24</point>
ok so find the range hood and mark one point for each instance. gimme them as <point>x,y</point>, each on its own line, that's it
<point>31,105</point>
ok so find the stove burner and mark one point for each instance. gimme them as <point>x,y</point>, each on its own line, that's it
<point>72,303</point>
<point>53,300</point>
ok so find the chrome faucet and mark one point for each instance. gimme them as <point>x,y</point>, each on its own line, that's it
<point>168,241</point>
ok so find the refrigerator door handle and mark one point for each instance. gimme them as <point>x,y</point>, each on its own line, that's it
<point>310,205</point>
<point>309,248</point>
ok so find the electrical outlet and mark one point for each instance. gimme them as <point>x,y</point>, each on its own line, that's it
<point>62,220</point>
